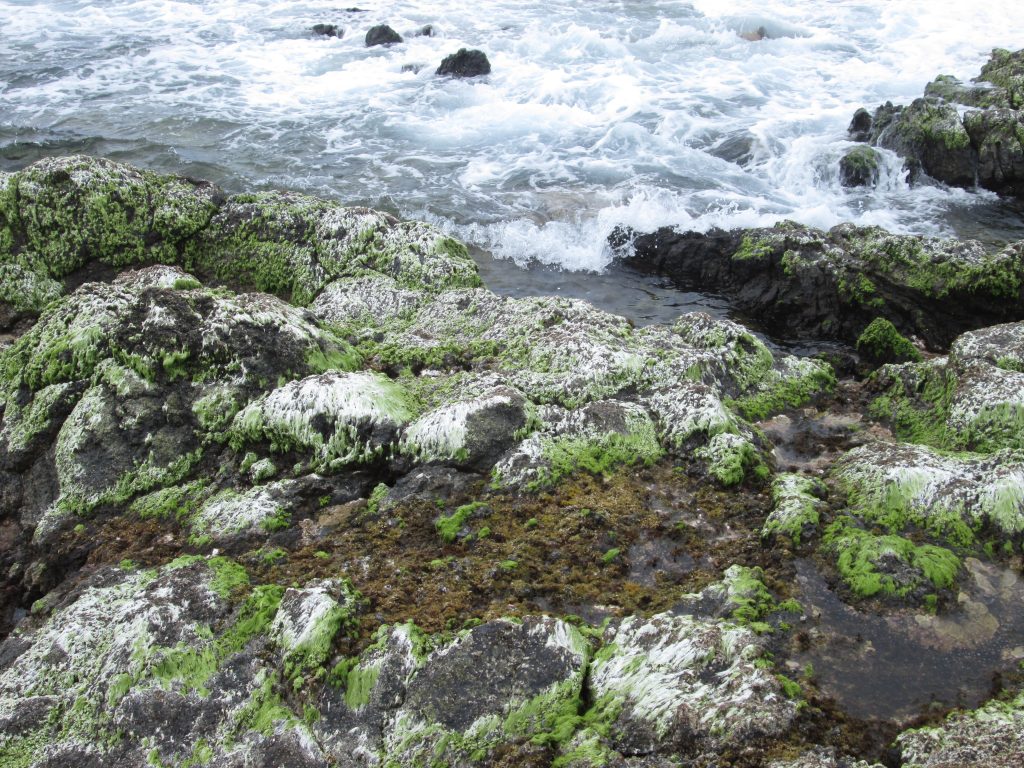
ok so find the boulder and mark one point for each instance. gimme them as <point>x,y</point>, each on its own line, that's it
<point>382,34</point>
<point>982,147</point>
<point>328,30</point>
<point>860,125</point>
<point>990,736</point>
<point>804,282</point>
<point>465,63</point>
<point>681,685</point>
<point>859,167</point>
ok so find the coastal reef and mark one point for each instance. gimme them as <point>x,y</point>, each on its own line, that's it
<point>283,483</point>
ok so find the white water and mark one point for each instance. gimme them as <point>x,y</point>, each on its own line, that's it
<point>596,114</point>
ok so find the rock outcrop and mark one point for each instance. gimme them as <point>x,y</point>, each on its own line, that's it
<point>465,63</point>
<point>983,146</point>
<point>282,484</point>
<point>805,282</point>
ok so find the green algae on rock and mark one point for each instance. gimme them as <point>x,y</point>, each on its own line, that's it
<point>807,282</point>
<point>61,214</point>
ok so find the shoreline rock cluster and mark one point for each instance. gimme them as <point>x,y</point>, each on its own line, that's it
<point>961,134</point>
<point>282,483</point>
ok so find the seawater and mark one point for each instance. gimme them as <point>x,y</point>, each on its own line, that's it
<point>597,114</point>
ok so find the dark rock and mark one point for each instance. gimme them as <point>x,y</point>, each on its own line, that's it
<point>427,30</point>
<point>950,89</point>
<point>328,30</point>
<point>382,34</point>
<point>860,126</point>
<point>465,63</point>
<point>799,281</point>
<point>998,138</point>
<point>1006,70</point>
<point>931,132</point>
<point>414,68</point>
<point>859,167</point>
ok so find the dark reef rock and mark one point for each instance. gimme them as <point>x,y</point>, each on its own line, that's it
<point>382,34</point>
<point>860,125</point>
<point>800,281</point>
<point>859,167</point>
<point>983,147</point>
<point>465,63</point>
<point>328,30</point>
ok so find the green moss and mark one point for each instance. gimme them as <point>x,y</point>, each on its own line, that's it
<point>857,288</point>
<point>377,496</point>
<point>916,401</point>
<point>264,710</point>
<point>785,392</point>
<point>564,457</point>
<point>795,507</point>
<point>338,356</point>
<point>448,527</point>
<point>730,458</point>
<point>190,667</point>
<point>278,521</point>
<point>214,411</point>
<point>859,553</point>
<point>177,502</point>
<point>790,688</point>
<point>611,556</point>
<point>881,342</point>
<point>359,684</point>
<point>752,249</point>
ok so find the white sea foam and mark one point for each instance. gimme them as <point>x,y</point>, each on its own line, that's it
<point>596,115</point>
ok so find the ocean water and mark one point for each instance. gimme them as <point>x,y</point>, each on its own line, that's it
<point>596,114</point>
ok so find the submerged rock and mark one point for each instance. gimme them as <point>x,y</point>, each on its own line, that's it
<point>328,30</point>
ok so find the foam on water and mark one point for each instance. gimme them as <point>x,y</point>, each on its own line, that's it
<point>596,115</point>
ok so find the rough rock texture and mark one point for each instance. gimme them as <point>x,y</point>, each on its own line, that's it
<point>676,683</point>
<point>158,666</point>
<point>300,485</point>
<point>990,736</point>
<point>61,214</point>
<point>984,145</point>
<point>859,167</point>
<point>806,282</point>
<point>465,63</point>
<point>381,34</point>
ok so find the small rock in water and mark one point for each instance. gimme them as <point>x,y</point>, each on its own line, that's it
<point>860,126</point>
<point>465,63</point>
<point>328,30</point>
<point>859,167</point>
<point>382,34</point>
<point>427,31</point>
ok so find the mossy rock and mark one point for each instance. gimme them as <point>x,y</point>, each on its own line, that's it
<point>882,343</point>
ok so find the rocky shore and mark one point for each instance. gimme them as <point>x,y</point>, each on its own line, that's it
<point>282,483</point>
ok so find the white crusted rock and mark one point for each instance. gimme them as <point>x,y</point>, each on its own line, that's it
<point>677,682</point>
<point>335,418</point>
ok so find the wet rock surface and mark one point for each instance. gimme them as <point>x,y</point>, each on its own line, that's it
<point>982,146</point>
<point>809,283</point>
<point>465,63</point>
<point>282,484</point>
